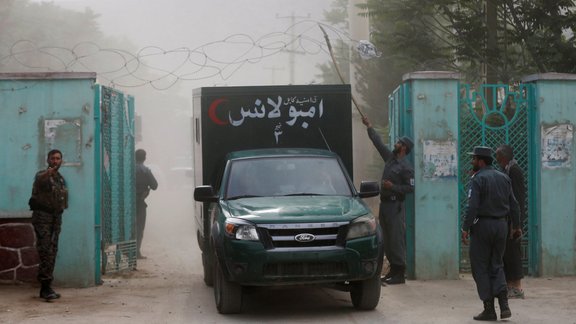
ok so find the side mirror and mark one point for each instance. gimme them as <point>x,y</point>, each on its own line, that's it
<point>369,189</point>
<point>205,194</point>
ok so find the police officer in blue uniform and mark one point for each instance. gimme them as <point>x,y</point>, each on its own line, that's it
<point>491,203</point>
<point>397,181</point>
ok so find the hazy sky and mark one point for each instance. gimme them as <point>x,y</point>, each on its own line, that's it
<point>175,24</point>
<point>172,24</point>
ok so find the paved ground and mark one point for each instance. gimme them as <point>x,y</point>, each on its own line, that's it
<point>168,288</point>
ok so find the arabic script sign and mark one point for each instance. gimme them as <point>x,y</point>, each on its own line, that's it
<point>284,112</point>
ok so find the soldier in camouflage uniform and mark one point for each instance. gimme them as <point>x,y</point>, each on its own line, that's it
<point>397,181</point>
<point>48,201</point>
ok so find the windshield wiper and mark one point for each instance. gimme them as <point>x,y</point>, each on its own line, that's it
<point>243,196</point>
<point>304,194</point>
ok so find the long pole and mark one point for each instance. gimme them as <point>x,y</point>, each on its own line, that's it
<point>337,68</point>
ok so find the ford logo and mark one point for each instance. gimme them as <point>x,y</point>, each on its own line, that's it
<point>305,237</point>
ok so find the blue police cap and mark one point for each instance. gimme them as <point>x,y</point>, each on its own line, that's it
<point>407,141</point>
<point>482,151</point>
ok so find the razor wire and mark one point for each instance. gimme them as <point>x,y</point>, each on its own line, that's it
<point>162,68</point>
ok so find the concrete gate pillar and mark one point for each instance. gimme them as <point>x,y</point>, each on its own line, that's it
<point>554,173</point>
<point>433,98</point>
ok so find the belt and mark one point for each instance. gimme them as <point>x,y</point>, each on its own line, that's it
<point>389,198</point>
<point>492,217</point>
<point>48,210</point>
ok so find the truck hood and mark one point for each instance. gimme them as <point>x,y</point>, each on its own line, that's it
<point>299,208</point>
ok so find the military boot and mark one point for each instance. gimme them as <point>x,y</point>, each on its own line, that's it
<point>504,307</point>
<point>489,313</point>
<point>46,292</point>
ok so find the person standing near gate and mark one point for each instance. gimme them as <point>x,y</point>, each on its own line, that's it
<point>513,252</point>
<point>145,181</point>
<point>397,181</point>
<point>48,201</point>
<point>490,203</point>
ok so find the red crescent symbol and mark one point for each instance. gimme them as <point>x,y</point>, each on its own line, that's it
<point>212,112</point>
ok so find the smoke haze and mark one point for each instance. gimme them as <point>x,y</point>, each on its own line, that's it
<point>164,31</point>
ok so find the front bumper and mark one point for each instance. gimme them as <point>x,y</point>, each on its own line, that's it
<point>249,263</point>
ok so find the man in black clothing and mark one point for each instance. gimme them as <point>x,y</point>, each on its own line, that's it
<point>490,203</point>
<point>48,201</point>
<point>397,181</point>
<point>145,181</point>
<point>513,252</point>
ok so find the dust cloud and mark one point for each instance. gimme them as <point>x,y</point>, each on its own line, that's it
<point>158,35</point>
<point>164,116</point>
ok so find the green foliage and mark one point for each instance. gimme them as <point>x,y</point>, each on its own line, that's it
<point>45,23</point>
<point>529,36</point>
<point>338,14</point>
<point>27,26</point>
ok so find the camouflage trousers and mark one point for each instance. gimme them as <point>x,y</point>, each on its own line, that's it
<point>47,228</point>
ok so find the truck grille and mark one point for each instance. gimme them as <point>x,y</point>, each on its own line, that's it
<point>300,236</point>
<point>306,269</point>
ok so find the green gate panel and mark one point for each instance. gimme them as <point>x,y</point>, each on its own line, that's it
<point>491,115</point>
<point>118,248</point>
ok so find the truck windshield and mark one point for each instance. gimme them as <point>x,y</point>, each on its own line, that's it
<point>286,176</point>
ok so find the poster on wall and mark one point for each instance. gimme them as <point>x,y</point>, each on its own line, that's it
<point>557,146</point>
<point>440,159</point>
<point>66,136</point>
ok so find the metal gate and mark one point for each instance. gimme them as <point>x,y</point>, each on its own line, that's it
<point>492,115</point>
<point>401,123</point>
<point>116,167</point>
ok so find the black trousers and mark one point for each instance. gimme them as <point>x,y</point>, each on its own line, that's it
<point>140,223</point>
<point>47,227</point>
<point>487,244</point>
<point>513,259</point>
<point>392,219</point>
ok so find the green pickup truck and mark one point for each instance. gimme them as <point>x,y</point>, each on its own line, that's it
<point>290,217</point>
<point>275,197</point>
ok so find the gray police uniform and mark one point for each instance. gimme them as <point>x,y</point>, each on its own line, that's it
<point>145,181</point>
<point>392,212</point>
<point>490,203</point>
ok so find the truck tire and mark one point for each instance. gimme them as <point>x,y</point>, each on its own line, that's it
<point>365,294</point>
<point>228,295</point>
<point>208,267</point>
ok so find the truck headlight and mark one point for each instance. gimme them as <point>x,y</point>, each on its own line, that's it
<point>361,226</point>
<point>245,232</point>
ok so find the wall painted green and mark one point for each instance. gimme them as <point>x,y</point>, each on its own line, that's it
<point>556,187</point>
<point>27,101</point>
<point>434,101</point>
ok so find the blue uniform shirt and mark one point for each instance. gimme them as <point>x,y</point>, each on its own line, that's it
<point>398,171</point>
<point>491,195</point>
